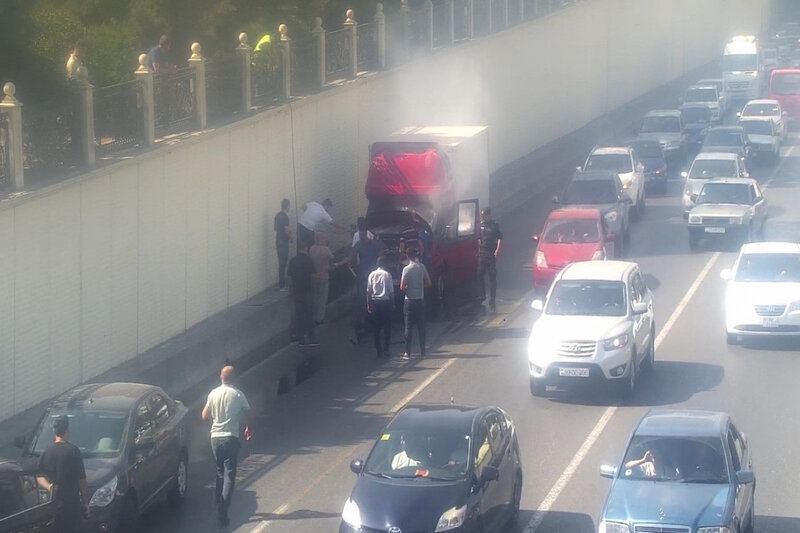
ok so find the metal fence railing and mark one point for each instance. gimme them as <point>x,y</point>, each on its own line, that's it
<point>367,46</point>
<point>481,18</point>
<point>337,54</point>
<point>5,171</point>
<point>461,16</point>
<point>441,24</point>
<point>173,97</point>
<point>498,12</point>
<point>266,76</point>
<point>305,64</point>
<point>51,134</point>
<point>118,117</point>
<point>223,87</point>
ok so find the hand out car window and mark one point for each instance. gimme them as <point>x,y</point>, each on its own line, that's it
<point>773,268</point>
<point>689,460</point>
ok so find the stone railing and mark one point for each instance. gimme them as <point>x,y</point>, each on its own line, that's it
<point>52,139</point>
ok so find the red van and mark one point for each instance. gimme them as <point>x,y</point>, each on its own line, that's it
<point>784,86</point>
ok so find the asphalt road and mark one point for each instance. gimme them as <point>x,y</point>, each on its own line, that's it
<point>295,476</point>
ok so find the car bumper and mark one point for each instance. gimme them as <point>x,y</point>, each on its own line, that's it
<point>652,178</point>
<point>345,528</point>
<point>103,519</point>
<point>600,369</point>
<point>543,277</point>
<point>738,231</point>
<point>752,324</point>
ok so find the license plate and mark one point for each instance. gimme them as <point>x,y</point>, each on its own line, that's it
<point>770,322</point>
<point>574,372</point>
<point>715,230</point>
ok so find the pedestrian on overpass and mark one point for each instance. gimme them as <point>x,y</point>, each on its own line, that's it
<point>490,245</point>
<point>230,416</point>
<point>413,282</point>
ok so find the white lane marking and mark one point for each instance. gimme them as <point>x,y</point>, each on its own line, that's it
<point>572,467</point>
<point>430,379</point>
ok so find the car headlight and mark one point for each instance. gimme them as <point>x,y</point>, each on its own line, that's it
<point>626,185</point>
<point>794,306</point>
<point>105,494</point>
<point>599,254</point>
<point>611,216</point>
<point>616,343</point>
<point>736,220</point>
<point>351,515</point>
<point>695,219</point>
<point>613,527</point>
<point>452,518</point>
<point>541,260</point>
<point>717,529</point>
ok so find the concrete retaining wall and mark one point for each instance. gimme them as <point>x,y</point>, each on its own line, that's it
<point>101,268</point>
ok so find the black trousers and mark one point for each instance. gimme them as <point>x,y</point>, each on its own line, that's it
<point>305,236</point>
<point>304,317</point>
<point>283,258</point>
<point>382,323</point>
<point>414,315</point>
<point>487,264</point>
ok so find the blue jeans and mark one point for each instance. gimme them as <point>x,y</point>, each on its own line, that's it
<point>226,452</point>
<point>414,315</point>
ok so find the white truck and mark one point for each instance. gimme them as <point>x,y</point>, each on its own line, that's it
<point>742,69</point>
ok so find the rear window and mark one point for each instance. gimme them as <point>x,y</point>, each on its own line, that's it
<point>701,95</point>
<point>661,125</point>
<point>590,192</point>
<point>613,162</point>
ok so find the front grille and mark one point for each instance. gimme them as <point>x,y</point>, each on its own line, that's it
<point>577,349</point>
<point>660,529</point>
<point>720,221</point>
<point>770,310</point>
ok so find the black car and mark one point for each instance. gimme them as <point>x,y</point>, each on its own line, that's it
<point>650,154</point>
<point>600,189</point>
<point>135,447</point>
<point>731,139</point>
<point>438,468</point>
<point>25,505</point>
<point>697,118</point>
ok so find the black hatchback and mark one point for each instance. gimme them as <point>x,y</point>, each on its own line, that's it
<point>135,447</point>
<point>438,468</point>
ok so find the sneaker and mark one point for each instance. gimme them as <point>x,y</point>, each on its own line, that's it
<point>405,356</point>
<point>313,343</point>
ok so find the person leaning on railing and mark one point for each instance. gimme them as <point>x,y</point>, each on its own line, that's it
<point>157,59</point>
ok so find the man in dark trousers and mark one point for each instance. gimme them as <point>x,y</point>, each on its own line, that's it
<point>283,236</point>
<point>363,258</point>
<point>491,242</point>
<point>413,282</point>
<point>380,298</point>
<point>62,464</point>
<point>301,269</point>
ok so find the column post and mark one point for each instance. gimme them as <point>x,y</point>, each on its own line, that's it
<point>145,77</point>
<point>16,157</point>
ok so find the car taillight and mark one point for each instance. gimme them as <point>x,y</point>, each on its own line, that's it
<point>541,261</point>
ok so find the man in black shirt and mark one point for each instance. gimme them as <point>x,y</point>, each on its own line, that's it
<point>62,463</point>
<point>363,259</point>
<point>301,268</point>
<point>283,236</point>
<point>491,242</point>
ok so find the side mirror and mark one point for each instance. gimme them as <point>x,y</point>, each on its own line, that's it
<point>726,274</point>
<point>745,477</point>
<point>556,200</point>
<point>684,174</point>
<point>357,466</point>
<point>19,441</point>
<point>490,473</point>
<point>535,238</point>
<point>537,305</point>
<point>738,113</point>
<point>144,444</point>
<point>639,308</point>
<point>579,168</point>
<point>608,471</point>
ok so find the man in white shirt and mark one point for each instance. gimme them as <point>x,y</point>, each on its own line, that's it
<point>230,414</point>
<point>315,218</point>
<point>380,305</point>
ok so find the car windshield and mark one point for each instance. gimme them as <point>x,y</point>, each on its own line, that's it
<point>588,298</point>
<point>431,452</point>
<point>698,94</point>
<point>703,169</point>
<point>770,268</point>
<point>761,110</point>
<point>725,193</point>
<point>590,192</point>
<point>572,231</point>
<point>647,149</point>
<point>655,124</point>
<point>696,115</point>
<point>785,84</point>
<point>716,83</point>
<point>681,459</point>
<point>756,127</point>
<point>613,162</point>
<point>723,138</point>
<point>739,62</point>
<point>96,433</point>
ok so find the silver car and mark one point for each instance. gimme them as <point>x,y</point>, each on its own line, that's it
<point>727,207</point>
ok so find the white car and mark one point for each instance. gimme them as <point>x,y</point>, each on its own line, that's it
<point>707,95</point>
<point>720,85</point>
<point>708,165</point>
<point>595,325</point>
<point>765,140</point>
<point>766,108</point>
<point>763,293</point>
<point>624,161</point>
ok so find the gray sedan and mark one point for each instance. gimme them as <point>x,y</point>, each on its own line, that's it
<point>727,207</point>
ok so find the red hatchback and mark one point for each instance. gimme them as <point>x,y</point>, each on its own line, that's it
<point>569,235</point>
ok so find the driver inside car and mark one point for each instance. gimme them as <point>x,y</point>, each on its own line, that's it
<point>411,454</point>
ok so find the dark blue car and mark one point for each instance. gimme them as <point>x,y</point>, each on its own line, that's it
<point>683,472</point>
<point>697,118</point>
<point>650,154</point>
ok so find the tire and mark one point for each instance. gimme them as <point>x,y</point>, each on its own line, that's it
<point>537,387</point>
<point>733,339</point>
<point>177,493</point>
<point>629,387</point>
<point>649,360</point>
<point>440,300</point>
<point>127,516</point>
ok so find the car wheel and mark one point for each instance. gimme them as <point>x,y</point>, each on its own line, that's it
<point>177,494</point>
<point>629,387</point>
<point>537,387</point>
<point>650,358</point>
<point>127,516</point>
<point>733,339</point>
<point>440,300</point>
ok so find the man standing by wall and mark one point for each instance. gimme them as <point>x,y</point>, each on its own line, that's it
<point>283,236</point>
<point>230,414</point>
<point>414,281</point>
<point>62,463</point>
<point>323,260</point>
<point>491,243</point>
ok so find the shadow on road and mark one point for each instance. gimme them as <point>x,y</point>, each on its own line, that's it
<point>777,344</point>
<point>777,524</point>
<point>555,522</point>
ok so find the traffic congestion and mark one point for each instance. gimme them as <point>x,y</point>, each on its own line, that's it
<point>692,184</point>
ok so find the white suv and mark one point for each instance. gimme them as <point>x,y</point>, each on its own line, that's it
<point>596,325</point>
<point>624,161</point>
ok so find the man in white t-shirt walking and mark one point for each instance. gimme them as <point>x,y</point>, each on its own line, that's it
<point>230,415</point>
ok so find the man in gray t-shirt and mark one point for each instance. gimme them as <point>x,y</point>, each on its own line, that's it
<point>229,412</point>
<point>413,282</point>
